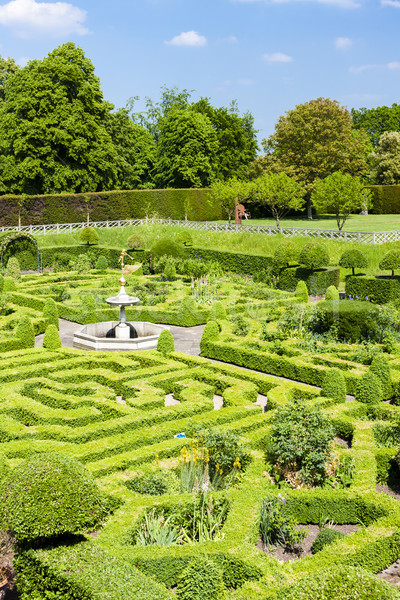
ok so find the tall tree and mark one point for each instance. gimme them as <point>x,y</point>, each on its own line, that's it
<point>228,193</point>
<point>136,151</point>
<point>8,67</point>
<point>385,161</point>
<point>52,132</point>
<point>341,194</point>
<point>316,139</point>
<point>186,150</point>
<point>375,121</point>
<point>279,193</point>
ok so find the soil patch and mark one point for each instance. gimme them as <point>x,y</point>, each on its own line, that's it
<point>391,573</point>
<point>389,490</point>
<point>313,530</point>
<point>341,442</point>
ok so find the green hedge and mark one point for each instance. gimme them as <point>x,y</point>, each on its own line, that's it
<point>236,262</point>
<point>317,281</point>
<point>82,571</point>
<point>353,319</point>
<point>385,199</point>
<point>113,205</point>
<point>379,290</point>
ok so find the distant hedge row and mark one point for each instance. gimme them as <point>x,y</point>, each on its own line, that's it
<point>385,199</point>
<point>114,205</point>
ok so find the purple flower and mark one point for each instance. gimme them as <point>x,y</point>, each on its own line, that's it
<point>350,298</point>
<point>366,297</point>
<point>357,297</point>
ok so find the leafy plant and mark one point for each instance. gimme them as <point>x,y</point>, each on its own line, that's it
<point>88,235</point>
<point>324,538</point>
<point>156,529</point>
<point>276,527</point>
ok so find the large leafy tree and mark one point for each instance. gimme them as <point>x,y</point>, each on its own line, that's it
<point>136,151</point>
<point>341,194</point>
<point>375,121</point>
<point>385,161</point>
<point>228,193</point>
<point>279,193</point>
<point>314,140</point>
<point>186,150</point>
<point>8,67</point>
<point>52,132</point>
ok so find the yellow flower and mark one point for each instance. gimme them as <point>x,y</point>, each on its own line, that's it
<point>157,460</point>
<point>237,464</point>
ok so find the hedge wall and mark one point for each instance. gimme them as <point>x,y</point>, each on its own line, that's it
<point>233,261</point>
<point>379,290</point>
<point>385,199</point>
<point>113,205</point>
<point>317,281</point>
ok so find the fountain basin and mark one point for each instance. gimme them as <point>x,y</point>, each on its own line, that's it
<point>94,336</point>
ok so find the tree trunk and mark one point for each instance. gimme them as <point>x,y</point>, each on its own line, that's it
<point>309,207</point>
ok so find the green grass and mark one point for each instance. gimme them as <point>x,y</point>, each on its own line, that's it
<point>368,223</point>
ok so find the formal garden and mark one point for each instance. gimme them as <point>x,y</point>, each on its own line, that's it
<point>267,467</point>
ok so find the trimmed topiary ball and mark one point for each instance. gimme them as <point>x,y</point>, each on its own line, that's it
<point>391,261</point>
<point>334,385</point>
<point>314,256</point>
<point>332,293</point>
<point>285,254</point>
<point>353,259</point>
<point>51,339</point>
<point>101,263</point>
<point>301,291</point>
<point>13,269</point>
<point>201,580</point>
<point>136,241</point>
<point>88,235</point>
<point>25,332</point>
<point>167,247</point>
<point>185,238</point>
<point>324,538</point>
<point>166,343</point>
<point>50,495</point>
<point>380,368</point>
<point>50,312</point>
<point>369,389</point>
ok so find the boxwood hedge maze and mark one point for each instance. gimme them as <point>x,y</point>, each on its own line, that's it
<point>212,473</point>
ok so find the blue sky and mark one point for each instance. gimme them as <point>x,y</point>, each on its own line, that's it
<point>269,55</point>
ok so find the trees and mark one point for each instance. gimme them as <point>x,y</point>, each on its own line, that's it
<point>375,121</point>
<point>186,150</point>
<point>341,194</point>
<point>8,67</point>
<point>279,193</point>
<point>226,193</point>
<point>353,259</point>
<point>313,256</point>
<point>391,261</point>
<point>316,139</point>
<point>385,161</point>
<point>52,132</point>
<point>136,151</point>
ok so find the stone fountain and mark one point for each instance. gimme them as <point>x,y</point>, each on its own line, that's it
<point>119,335</point>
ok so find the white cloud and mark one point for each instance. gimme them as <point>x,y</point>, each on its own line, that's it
<point>394,3</point>
<point>343,43</point>
<point>391,66</point>
<point>231,39</point>
<point>277,57</point>
<point>188,38</point>
<point>28,17</point>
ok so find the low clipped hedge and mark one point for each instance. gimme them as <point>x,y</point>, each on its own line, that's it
<point>317,281</point>
<point>236,262</point>
<point>353,319</point>
<point>378,290</point>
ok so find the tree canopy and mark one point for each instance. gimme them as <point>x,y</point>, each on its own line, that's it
<point>51,127</point>
<point>375,121</point>
<point>279,193</point>
<point>385,161</point>
<point>227,193</point>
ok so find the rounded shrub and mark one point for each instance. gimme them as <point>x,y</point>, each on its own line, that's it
<point>13,269</point>
<point>380,368</point>
<point>50,495</point>
<point>9,284</point>
<point>88,309</point>
<point>217,312</point>
<point>285,254</point>
<point>51,338</point>
<point>165,343</point>
<point>341,582</point>
<point>136,241</point>
<point>369,389</point>
<point>324,538</point>
<point>332,293</point>
<point>314,256</point>
<point>25,332</point>
<point>334,385</point>
<point>185,238</point>
<point>169,273</point>
<point>201,580</point>
<point>353,259</point>
<point>166,247</point>
<point>391,261</point>
<point>88,235</point>
<point>301,291</point>
<point>101,263</point>
<point>155,484</point>
<point>210,333</point>
<point>50,312</point>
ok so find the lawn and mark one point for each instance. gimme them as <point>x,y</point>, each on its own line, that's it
<point>368,223</point>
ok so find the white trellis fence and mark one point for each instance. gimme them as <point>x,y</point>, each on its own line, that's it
<point>363,237</point>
